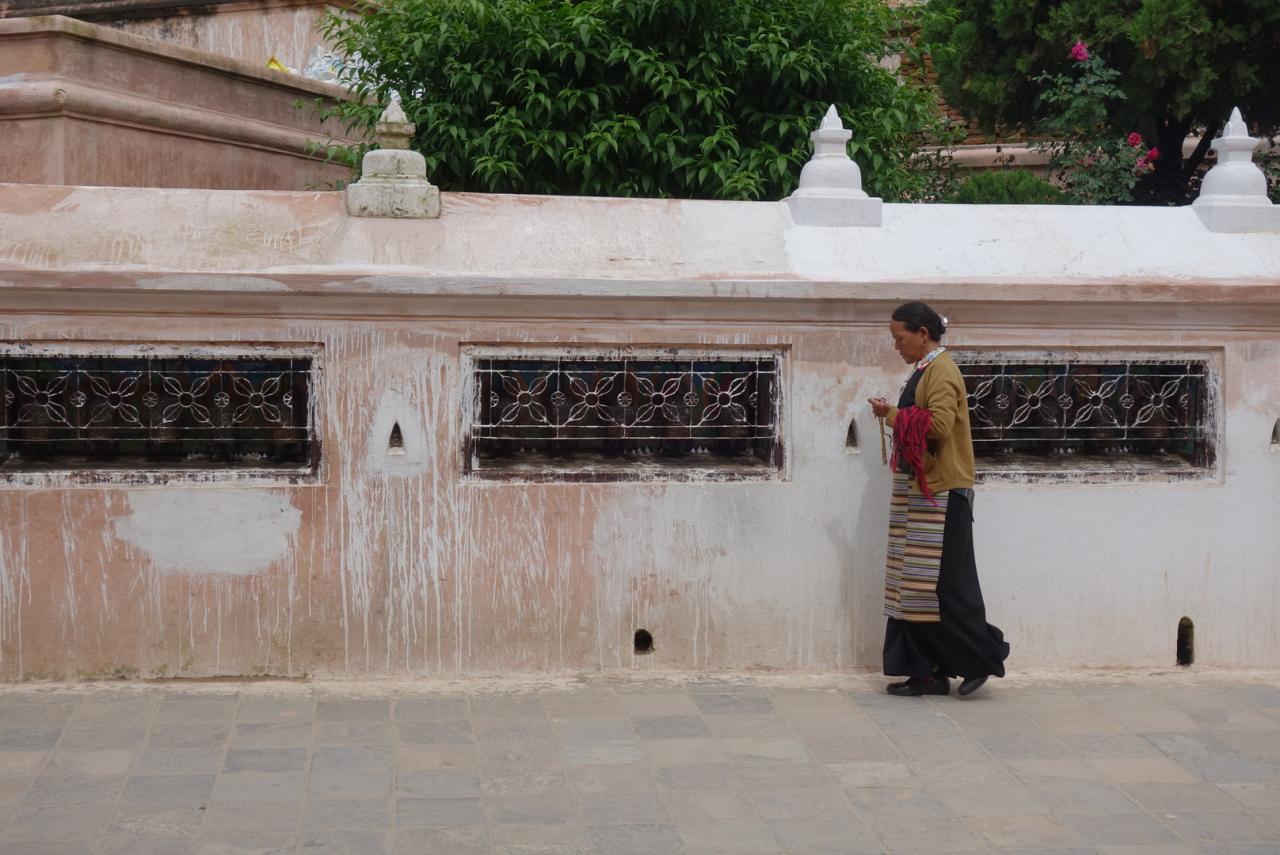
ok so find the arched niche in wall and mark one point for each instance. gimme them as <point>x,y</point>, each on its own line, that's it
<point>396,442</point>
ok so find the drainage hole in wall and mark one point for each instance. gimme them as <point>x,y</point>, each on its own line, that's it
<point>644,641</point>
<point>1186,642</point>
<point>395,444</point>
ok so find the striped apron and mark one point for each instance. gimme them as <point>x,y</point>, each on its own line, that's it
<point>916,526</point>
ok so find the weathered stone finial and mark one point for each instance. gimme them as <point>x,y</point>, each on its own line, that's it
<point>393,180</point>
<point>830,191</point>
<point>1233,196</point>
<point>393,128</point>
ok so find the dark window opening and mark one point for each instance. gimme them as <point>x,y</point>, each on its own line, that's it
<point>1186,642</point>
<point>1275,436</point>
<point>395,443</point>
<point>851,436</point>
<point>644,641</point>
<point>603,414</point>
<point>120,412</point>
<point>1157,411</point>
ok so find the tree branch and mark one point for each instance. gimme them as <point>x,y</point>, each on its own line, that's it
<point>1202,148</point>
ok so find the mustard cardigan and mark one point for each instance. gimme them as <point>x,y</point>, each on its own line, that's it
<point>949,459</point>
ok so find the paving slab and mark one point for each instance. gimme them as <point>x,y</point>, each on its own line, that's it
<point>1176,763</point>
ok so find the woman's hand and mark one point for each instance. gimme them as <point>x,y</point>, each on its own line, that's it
<point>879,406</point>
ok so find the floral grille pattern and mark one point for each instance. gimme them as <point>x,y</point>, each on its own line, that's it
<point>1148,407</point>
<point>61,411</point>
<point>710,411</point>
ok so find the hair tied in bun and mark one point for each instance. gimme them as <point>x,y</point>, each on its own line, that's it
<point>918,316</point>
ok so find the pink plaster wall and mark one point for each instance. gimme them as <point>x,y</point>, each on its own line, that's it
<point>414,570</point>
<point>395,567</point>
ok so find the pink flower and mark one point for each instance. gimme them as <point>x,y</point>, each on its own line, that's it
<point>1135,139</point>
<point>1079,52</point>
<point>1145,163</point>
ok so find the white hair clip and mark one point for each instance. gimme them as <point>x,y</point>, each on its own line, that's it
<point>945,322</point>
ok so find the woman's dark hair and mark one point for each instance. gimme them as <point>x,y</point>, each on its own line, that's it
<point>919,316</point>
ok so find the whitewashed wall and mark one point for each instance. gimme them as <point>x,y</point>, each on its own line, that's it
<point>381,565</point>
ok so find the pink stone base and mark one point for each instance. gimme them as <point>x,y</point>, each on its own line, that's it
<point>92,106</point>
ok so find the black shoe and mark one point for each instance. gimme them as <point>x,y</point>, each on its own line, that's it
<point>971,685</point>
<point>920,686</point>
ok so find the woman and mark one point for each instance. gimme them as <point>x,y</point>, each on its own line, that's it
<point>937,624</point>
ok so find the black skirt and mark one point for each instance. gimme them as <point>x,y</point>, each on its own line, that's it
<point>962,644</point>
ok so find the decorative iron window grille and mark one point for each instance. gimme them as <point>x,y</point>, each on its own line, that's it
<point>154,412</point>
<point>1157,409</point>
<point>623,412</point>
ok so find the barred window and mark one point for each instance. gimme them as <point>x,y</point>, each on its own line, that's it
<point>147,411</point>
<point>622,415</point>
<point>1151,413</point>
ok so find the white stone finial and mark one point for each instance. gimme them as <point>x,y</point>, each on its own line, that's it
<point>1233,195</point>
<point>831,121</point>
<point>830,191</point>
<point>393,180</point>
<point>1235,125</point>
<point>831,168</point>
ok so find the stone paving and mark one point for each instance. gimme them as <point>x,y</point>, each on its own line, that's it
<point>1162,764</point>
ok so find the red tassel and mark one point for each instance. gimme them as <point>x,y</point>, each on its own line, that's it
<point>910,441</point>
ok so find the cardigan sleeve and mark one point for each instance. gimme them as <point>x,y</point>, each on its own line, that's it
<point>944,395</point>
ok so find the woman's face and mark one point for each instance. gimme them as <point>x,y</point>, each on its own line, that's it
<point>911,346</point>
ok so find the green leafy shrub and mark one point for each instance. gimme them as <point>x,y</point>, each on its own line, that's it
<point>1006,187</point>
<point>1183,64</point>
<point>1089,160</point>
<point>683,98</point>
